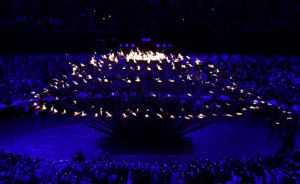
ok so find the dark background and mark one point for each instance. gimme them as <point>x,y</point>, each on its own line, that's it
<point>251,26</point>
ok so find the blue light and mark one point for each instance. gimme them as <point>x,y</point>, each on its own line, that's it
<point>145,39</point>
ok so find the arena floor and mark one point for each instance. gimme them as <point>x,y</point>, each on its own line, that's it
<point>59,138</point>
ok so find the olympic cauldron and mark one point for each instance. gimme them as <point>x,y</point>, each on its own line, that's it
<point>147,98</point>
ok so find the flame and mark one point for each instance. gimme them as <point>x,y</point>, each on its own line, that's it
<point>211,66</point>
<point>187,118</point>
<point>124,116</point>
<point>239,113</point>
<point>93,62</point>
<point>64,112</point>
<point>83,113</point>
<point>171,80</point>
<point>229,115</point>
<point>201,116</point>
<point>159,115</point>
<point>145,56</point>
<point>89,77</point>
<point>137,79</point>
<point>108,115</point>
<point>159,67</point>
<point>77,113</point>
<point>44,107</point>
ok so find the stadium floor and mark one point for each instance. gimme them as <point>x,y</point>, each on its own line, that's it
<point>59,138</point>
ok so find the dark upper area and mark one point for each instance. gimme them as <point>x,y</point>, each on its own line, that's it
<point>204,26</point>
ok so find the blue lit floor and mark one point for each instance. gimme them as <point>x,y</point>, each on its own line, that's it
<point>56,137</point>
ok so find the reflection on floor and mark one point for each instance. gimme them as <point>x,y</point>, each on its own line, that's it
<point>57,137</point>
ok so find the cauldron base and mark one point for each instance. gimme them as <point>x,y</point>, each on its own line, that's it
<point>119,146</point>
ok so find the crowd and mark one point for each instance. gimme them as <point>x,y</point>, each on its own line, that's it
<point>19,75</point>
<point>262,169</point>
<point>274,78</point>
